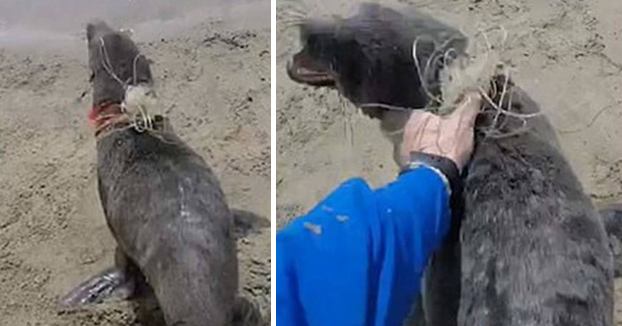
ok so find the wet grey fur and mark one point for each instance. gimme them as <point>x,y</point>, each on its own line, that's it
<point>531,249</point>
<point>534,249</point>
<point>612,217</point>
<point>163,205</point>
<point>370,54</point>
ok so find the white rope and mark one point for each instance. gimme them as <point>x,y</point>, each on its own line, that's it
<point>134,72</point>
<point>386,107</point>
<point>108,66</point>
<point>106,63</point>
<point>145,118</point>
<point>142,121</point>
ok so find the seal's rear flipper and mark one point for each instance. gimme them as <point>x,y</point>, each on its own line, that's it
<point>246,222</point>
<point>245,313</point>
<point>112,283</point>
<point>612,218</point>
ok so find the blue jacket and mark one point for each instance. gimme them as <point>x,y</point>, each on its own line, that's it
<point>357,258</point>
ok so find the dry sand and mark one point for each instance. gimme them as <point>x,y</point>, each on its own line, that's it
<point>568,56</point>
<point>213,77</point>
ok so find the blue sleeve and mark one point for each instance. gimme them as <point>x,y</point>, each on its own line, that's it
<point>357,258</point>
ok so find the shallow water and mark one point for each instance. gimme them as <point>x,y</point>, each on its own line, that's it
<point>65,15</point>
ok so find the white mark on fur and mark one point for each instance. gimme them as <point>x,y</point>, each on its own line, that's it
<point>184,209</point>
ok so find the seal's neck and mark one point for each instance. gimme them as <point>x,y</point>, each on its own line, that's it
<point>106,116</point>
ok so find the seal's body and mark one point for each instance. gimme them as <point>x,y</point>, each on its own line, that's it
<point>162,203</point>
<point>531,249</point>
<point>534,249</point>
<point>169,217</point>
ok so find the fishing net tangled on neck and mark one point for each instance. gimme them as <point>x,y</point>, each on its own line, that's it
<point>138,98</point>
<point>458,75</point>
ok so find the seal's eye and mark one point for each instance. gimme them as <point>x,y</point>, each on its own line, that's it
<point>311,41</point>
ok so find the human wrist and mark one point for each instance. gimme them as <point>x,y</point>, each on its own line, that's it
<point>444,167</point>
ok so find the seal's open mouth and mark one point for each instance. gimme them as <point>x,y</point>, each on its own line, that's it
<point>303,69</point>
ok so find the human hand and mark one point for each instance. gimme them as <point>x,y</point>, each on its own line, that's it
<point>450,136</point>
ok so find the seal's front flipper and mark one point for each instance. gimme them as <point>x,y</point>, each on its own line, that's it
<point>612,218</point>
<point>112,283</point>
<point>245,313</point>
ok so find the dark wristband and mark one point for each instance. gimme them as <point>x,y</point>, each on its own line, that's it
<point>441,164</point>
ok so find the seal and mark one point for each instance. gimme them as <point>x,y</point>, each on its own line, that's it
<point>368,59</point>
<point>162,202</point>
<point>528,247</point>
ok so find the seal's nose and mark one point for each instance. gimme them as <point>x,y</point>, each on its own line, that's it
<point>95,27</point>
<point>90,31</point>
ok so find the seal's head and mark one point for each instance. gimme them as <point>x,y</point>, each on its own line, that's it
<point>369,56</point>
<point>115,63</point>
